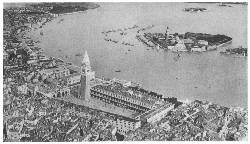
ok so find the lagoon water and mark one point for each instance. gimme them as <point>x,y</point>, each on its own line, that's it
<point>205,76</point>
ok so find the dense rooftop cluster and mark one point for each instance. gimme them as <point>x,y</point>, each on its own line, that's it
<point>236,51</point>
<point>39,118</point>
<point>43,119</point>
<point>35,117</point>
<point>199,121</point>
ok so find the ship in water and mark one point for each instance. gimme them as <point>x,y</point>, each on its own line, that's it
<point>60,21</point>
<point>224,5</point>
<point>78,54</point>
<point>195,10</point>
<point>117,70</point>
<point>127,44</point>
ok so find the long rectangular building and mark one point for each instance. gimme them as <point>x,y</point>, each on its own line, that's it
<point>127,97</point>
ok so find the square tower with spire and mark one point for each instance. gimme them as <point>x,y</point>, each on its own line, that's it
<point>86,76</point>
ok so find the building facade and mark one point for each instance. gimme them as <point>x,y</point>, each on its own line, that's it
<point>86,76</point>
<point>124,125</point>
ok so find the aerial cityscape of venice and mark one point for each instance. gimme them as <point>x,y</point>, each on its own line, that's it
<point>165,71</point>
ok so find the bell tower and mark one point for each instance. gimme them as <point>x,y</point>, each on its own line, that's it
<point>86,76</point>
<point>167,34</point>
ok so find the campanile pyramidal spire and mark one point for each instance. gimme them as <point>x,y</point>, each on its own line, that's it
<point>86,77</point>
<point>85,66</point>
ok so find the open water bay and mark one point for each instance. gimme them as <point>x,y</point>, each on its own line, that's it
<point>205,76</point>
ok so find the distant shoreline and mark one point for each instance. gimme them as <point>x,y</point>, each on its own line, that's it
<point>37,28</point>
<point>58,7</point>
<point>239,3</point>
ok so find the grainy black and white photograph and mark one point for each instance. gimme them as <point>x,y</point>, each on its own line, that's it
<point>125,71</point>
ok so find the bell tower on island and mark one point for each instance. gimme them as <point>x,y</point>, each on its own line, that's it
<point>86,77</point>
<point>167,34</point>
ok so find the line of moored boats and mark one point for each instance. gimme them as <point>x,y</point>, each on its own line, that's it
<point>118,30</point>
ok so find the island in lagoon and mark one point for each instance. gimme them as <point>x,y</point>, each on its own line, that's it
<point>192,42</point>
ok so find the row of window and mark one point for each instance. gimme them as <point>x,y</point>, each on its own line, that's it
<point>62,73</point>
<point>123,98</point>
<point>123,122</point>
<point>62,93</point>
<point>118,101</point>
<point>58,74</point>
<point>124,125</point>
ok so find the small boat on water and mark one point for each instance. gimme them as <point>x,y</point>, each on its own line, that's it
<point>195,9</point>
<point>118,71</point>
<point>61,20</point>
<point>178,55</point>
<point>127,44</point>
<point>106,39</point>
<point>123,33</point>
<point>60,60</point>
<point>114,41</point>
<point>78,54</point>
<point>224,5</point>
